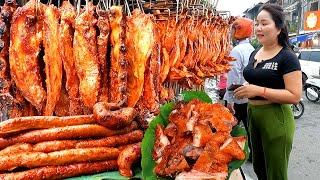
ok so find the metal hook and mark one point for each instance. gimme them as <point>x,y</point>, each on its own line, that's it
<point>127,7</point>
<point>138,4</point>
<point>78,7</point>
<point>104,5</point>
<point>177,11</point>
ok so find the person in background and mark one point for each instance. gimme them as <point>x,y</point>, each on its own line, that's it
<point>222,85</point>
<point>242,30</point>
<point>273,74</point>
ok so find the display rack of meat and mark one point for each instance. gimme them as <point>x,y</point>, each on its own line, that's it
<point>78,82</point>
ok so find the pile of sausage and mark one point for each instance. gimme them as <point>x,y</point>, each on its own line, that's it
<point>50,147</point>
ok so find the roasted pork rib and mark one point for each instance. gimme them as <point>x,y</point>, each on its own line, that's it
<point>53,62</point>
<point>68,15</point>
<point>25,39</point>
<point>118,67</point>
<point>86,58</point>
<point>140,42</point>
<point>103,43</point>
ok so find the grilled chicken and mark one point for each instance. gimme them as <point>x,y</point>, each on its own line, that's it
<point>25,40</point>
<point>52,57</point>
<point>103,42</point>
<point>86,58</point>
<point>68,15</point>
<point>118,66</point>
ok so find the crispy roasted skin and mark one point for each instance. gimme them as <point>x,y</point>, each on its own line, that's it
<point>42,122</point>
<point>140,41</point>
<point>86,58</point>
<point>118,66</point>
<point>114,119</point>
<point>52,59</point>
<point>16,148</point>
<point>6,13</point>
<point>68,132</point>
<point>127,157</point>
<point>68,15</point>
<point>103,42</point>
<point>25,42</point>
<point>161,141</point>
<point>39,159</point>
<point>63,105</point>
<point>20,107</point>
<point>151,87</point>
<point>200,140</point>
<point>60,172</point>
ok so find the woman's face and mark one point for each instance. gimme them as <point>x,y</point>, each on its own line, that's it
<point>265,29</point>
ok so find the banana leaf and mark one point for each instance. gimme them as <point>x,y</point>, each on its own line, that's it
<point>147,162</point>
<point>112,175</point>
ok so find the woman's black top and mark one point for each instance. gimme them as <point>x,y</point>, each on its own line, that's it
<point>269,73</point>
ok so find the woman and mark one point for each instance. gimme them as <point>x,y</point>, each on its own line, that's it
<point>274,77</point>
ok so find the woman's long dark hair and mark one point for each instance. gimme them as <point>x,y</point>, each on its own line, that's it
<point>277,15</point>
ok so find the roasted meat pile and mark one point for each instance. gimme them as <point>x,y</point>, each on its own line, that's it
<point>57,61</point>
<point>50,147</point>
<point>197,142</point>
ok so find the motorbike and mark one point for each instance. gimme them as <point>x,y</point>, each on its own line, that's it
<point>298,109</point>
<point>312,89</point>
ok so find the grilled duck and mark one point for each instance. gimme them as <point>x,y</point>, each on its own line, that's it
<point>25,40</point>
<point>85,51</point>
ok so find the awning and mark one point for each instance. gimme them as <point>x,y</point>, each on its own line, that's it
<point>301,38</point>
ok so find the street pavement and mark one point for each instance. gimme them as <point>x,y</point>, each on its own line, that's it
<point>304,162</point>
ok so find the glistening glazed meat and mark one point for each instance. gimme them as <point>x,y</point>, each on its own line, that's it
<point>151,86</point>
<point>64,157</point>
<point>68,132</point>
<point>7,11</point>
<point>60,172</point>
<point>66,52</point>
<point>12,103</point>
<point>127,157</point>
<point>42,122</point>
<point>140,42</point>
<point>25,42</point>
<point>103,42</point>
<point>58,145</point>
<point>52,57</point>
<point>85,51</point>
<point>113,119</point>
<point>118,67</point>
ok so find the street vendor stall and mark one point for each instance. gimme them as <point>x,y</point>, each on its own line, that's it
<point>97,88</point>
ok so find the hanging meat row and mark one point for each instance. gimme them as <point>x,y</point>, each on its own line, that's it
<point>57,61</point>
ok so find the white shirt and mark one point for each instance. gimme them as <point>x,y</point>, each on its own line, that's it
<point>241,53</point>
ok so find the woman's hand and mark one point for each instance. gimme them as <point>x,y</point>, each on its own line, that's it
<point>248,91</point>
